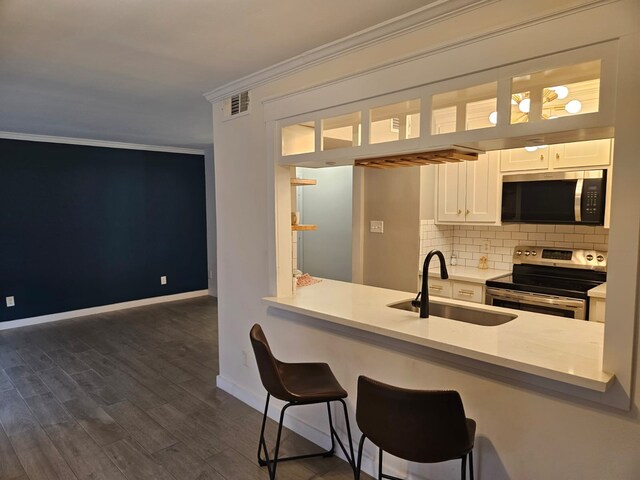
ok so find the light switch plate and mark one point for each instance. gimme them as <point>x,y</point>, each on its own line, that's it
<point>376,226</point>
<point>11,302</point>
<point>163,280</point>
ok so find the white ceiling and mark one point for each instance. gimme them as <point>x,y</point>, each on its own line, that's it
<point>135,70</point>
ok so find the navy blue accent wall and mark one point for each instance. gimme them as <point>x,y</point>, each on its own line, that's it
<point>87,226</point>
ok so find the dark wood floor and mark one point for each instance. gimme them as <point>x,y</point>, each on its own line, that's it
<point>131,395</point>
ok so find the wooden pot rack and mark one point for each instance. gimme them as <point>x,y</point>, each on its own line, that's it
<point>418,159</point>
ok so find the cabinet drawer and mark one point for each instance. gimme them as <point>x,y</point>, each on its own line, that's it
<point>470,292</point>
<point>439,288</point>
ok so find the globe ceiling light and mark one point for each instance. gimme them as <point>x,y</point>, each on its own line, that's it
<point>573,107</point>
<point>561,91</point>
<point>493,117</point>
<point>525,105</point>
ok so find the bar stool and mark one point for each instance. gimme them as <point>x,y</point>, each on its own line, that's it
<point>296,384</point>
<point>425,426</point>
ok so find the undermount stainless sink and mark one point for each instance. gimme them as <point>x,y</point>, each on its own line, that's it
<point>456,312</point>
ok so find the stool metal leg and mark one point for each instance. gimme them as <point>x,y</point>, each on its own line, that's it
<point>359,462</point>
<point>471,465</point>
<point>271,463</point>
<point>464,468</point>
<point>349,455</point>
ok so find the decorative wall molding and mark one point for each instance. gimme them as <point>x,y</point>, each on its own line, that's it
<point>96,143</point>
<point>428,15</point>
<point>54,317</point>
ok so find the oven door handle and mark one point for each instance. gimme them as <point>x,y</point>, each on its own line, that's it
<point>535,300</point>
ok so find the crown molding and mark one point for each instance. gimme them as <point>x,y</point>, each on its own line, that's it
<point>438,49</point>
<point>418,19</point>
<point>430,14</point>
<point>97,143</point>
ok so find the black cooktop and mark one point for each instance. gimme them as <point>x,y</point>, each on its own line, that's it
<point>563,282</point>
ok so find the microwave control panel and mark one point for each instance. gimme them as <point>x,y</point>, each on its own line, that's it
<point>592,208</point>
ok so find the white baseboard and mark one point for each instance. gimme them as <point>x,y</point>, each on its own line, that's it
<point>54,317</point>
<point>311,433</point>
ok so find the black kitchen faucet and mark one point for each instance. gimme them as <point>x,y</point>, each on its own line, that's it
<point>422,299</point>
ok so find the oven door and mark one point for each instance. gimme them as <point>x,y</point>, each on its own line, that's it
<point>538,303</point>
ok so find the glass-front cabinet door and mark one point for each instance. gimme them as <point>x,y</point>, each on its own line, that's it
<point>571,91</point>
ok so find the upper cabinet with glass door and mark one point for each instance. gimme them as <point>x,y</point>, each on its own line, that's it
<point>537,102</point>
<point>556,92</point>
<point>464,109</point>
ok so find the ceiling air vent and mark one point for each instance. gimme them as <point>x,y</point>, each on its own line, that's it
<point>239,103</point>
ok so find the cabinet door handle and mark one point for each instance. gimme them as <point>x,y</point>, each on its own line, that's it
<point>557,156</point>
<point>459,211</point>
<point>541,158</point>
<point>465,292</point>
<point>435,287</point>
<point>468,211</point>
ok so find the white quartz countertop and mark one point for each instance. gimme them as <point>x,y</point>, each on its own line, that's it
<point>469,274</point>
<point>598,292</point>
<point>557,348</point>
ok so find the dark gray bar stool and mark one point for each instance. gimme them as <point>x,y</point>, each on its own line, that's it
<point>296,384</point>
<point>424,426</point>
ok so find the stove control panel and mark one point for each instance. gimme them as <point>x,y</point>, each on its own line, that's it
<point>560,257</point>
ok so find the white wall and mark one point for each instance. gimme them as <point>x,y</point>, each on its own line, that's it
<point>211,222</point>
<point>524,432</point>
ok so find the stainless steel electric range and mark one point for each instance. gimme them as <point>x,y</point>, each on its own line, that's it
<point>549,280</point>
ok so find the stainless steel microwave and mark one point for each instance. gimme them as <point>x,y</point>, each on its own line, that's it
<point>555,197</point>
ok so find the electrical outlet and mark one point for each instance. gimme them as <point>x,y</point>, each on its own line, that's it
<point>486,245</point>
<point>11,302</point>
<point>376,226</point>
<point>163,280</point>
<point>245,358</point>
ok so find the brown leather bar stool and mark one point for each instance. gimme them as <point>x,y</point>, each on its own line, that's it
<point>296,384</point>
<point>424,426</point>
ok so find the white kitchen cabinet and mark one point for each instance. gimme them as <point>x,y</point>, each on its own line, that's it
<point>468,192</point>
<point>518,159</point>
<point>581,154</point>
<point>439,288</point>
<point>588,154</point>
<point>596,309</point>
<point>469,292</point>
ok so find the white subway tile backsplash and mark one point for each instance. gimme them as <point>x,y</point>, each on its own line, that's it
<point>537,236</point>
<point>467,240</point>
<point>573,237</point>
<point>584,229</point>
<point>594,238</point>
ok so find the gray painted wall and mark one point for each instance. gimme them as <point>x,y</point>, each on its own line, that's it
<point>326,252</point>
<point>391,258</point>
